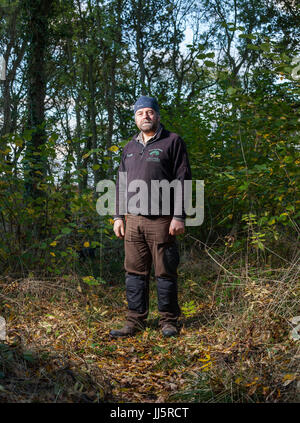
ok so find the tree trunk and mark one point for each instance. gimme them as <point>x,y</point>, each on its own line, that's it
<point>137,7</point>
<point>110,81</point>
<point>38,33</point>
<point>92,118</point>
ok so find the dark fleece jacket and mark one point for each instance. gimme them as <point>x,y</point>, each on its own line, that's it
<point>163,157</point>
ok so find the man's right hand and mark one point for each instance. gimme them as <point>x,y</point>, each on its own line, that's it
<point>119,228</point>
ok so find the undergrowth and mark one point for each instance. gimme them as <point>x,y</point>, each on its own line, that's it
<point>238,339</point>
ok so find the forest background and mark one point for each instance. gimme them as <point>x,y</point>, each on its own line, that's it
<point>226,74</point>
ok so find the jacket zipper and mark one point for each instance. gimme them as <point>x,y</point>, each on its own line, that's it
<point>144,147</point>
<point>148,143</point>
<point>142,153</point>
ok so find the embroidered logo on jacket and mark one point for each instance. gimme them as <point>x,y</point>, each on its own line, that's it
<point>153,155</point>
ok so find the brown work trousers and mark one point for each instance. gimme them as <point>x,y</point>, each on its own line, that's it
<point>147,242</point>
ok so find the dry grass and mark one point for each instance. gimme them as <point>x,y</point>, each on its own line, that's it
<point>235,343</point>
<point>39,359</point>
<point>249,332</point>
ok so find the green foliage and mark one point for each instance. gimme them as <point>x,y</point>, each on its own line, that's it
<point>68,222</point>
<point>189,308</point>
<point>238,114</point>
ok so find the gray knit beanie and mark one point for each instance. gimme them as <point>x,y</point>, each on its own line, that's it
<point>144,101</point>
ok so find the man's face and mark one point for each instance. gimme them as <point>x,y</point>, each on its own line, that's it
<point>147,120</point>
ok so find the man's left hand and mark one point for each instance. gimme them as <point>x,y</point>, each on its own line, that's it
<point>176,227</point>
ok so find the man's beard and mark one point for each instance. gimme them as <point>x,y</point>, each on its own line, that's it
<point>149,126</point>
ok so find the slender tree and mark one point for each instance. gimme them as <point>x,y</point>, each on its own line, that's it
<point>38,14</point>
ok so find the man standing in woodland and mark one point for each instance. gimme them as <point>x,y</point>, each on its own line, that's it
<point>155,154</point>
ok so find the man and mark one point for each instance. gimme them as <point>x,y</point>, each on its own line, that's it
<point>155,154</point>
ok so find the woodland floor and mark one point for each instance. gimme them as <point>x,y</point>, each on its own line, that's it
<point>235,343</point>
